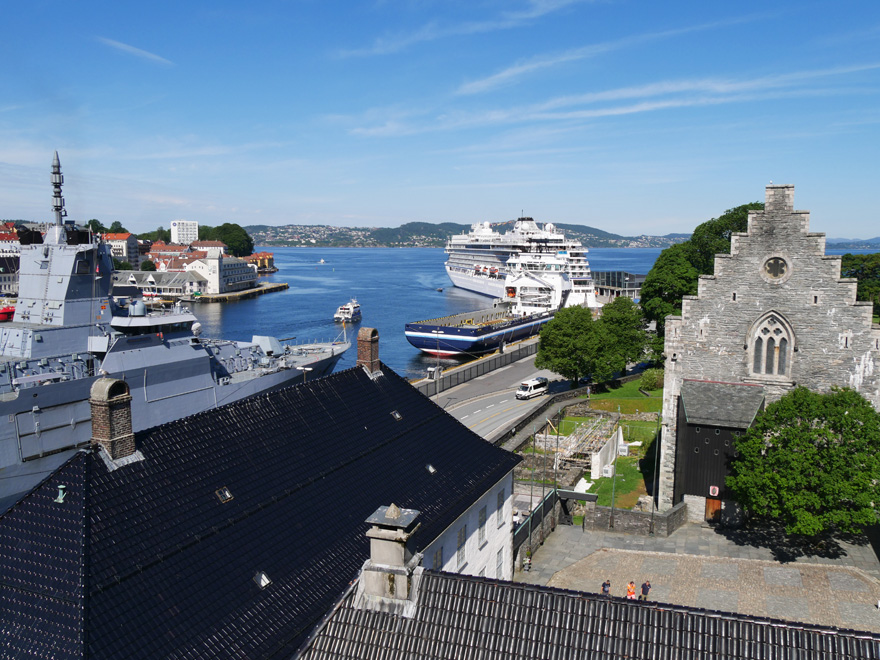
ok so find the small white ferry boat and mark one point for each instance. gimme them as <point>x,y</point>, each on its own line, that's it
<point>349,312</point>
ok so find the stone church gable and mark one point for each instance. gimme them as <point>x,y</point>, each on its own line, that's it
<point>776,314</point>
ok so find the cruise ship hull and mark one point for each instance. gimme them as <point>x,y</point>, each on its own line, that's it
<point>468,334</point>
<point>477,283</point>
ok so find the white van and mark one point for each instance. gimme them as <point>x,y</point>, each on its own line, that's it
<point>534,387</point>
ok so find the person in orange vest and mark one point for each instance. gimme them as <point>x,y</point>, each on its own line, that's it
<point>631,591</point>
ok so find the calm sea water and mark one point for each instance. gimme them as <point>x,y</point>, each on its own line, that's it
<point>393,286</point>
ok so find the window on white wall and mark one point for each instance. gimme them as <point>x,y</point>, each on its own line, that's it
<point>462,545</point>
<point>500,508</point>
<point>499,564</point>
<point>438,559</point>
<point>481,530</point>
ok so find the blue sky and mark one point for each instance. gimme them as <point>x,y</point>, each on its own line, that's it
<point>634,117</point>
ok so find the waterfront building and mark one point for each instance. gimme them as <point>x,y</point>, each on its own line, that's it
<point>775,314</point>
<point>611,284</point>
<point>232,532</point>
<point>223,273</point>
<point>160,284</point>
<point>264,261</point>
<point>124,247</point>
<point>184,232</point>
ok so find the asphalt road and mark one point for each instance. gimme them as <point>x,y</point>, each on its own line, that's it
<point>487,404</point>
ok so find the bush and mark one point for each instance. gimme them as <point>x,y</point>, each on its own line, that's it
<point>652,379</point>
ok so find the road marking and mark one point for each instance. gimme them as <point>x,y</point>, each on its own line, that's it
<point>489,406</point>
<point>476,411</point>
<point>505,400</point>
<point>466,416</point>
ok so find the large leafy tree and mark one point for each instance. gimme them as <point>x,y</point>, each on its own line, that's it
<point>566,343</point>
<point>866,269</point>
<point>672,277</point>
<point>117,228</point>
<point>237,240</point>
<point>575,345</point>
<point>147,265</point>
<point>622,329</point>
<point>678,268</point>
<point>811,462</point>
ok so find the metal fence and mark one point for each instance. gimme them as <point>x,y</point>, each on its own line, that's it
<point>476,369</point>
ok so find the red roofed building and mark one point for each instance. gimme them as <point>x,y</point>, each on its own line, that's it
<point>209,245</point>
<point>124,247</point>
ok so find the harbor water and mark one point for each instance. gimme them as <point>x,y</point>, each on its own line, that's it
<point>393,286</point>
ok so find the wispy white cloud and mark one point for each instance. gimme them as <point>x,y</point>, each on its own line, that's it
<point>512,73</point>
<point>137,52</point>
<point>662,95</point>
<point>437,30</point>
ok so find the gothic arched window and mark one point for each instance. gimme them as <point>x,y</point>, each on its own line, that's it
<point>771,346</point>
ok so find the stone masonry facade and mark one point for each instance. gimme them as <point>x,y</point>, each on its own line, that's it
<point>776,313</point>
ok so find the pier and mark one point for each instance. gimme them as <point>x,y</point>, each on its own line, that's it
<point>241,295</point>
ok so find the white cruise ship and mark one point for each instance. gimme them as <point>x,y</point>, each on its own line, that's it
<point>478,260</point>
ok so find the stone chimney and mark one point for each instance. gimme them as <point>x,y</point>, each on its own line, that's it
<point>388,573</point>
<point>779,198</point>
<point>111,417</point>
<point>368,350</point>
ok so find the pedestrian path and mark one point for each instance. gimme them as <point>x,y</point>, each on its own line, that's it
<point>699,567</point>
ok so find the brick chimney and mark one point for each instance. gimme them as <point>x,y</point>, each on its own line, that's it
<point>368,350</point>
<point>111,417</point>
<point>388,573</point>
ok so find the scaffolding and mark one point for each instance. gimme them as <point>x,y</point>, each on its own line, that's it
<point>579,447</point>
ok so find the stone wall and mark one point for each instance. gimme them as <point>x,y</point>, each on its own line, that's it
<point>598,518</point>
<point>540,531</point>
<point>776,273</point>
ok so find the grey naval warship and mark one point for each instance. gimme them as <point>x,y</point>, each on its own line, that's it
<point>67,332</point>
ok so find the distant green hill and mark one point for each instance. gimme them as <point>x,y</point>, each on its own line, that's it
<point>426,234</point>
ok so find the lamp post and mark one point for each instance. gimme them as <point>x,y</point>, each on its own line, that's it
<point>305,371</point>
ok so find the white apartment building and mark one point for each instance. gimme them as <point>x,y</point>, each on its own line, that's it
<point>124,247</point>
<point>224,273</point>
<point>184,232</point>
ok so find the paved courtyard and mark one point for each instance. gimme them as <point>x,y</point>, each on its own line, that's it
<point>700,567</point>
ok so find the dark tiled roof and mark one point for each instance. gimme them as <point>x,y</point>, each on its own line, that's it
<point>711,403</point>
<point>144,561</point>
<point>459,617</point>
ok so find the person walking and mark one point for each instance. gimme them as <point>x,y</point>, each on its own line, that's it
<point>646,587</point>
<point>606,588</point>
<point>631,590</point>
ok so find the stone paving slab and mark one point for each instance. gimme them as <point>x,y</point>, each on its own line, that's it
<point>790,608</point>
<point>783,576</point>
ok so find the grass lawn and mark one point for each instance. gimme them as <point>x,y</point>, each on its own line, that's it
<point>628,400</point>
<point>637,430</point>
<point>569,424</point>
<point>628,485</point>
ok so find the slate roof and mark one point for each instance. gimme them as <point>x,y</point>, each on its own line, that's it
<point>144,561</point>
<point>711,403</point>
<point>460,617</point>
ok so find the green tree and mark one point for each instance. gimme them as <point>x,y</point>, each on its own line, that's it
<point>622,327</point>
<point>121,265</point>
<point>866,269</point>
<point>96,226</point>
<point>117,228</point>
<point>159,234</point>
<point>146,264</point>
<point>566,343</point>
<point>237,240</point>
<point>678,268</point>
<point>812,462</point>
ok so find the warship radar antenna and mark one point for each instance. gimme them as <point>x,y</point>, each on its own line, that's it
<point>56,236</point>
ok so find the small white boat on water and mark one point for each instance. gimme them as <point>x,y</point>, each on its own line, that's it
<point>349,312</point>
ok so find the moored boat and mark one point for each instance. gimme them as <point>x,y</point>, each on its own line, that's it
<point>350,312</point>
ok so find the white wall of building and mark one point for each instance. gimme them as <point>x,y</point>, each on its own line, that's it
<point>184,232</point>
<point>224,274</point>
<point>487,549</point>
